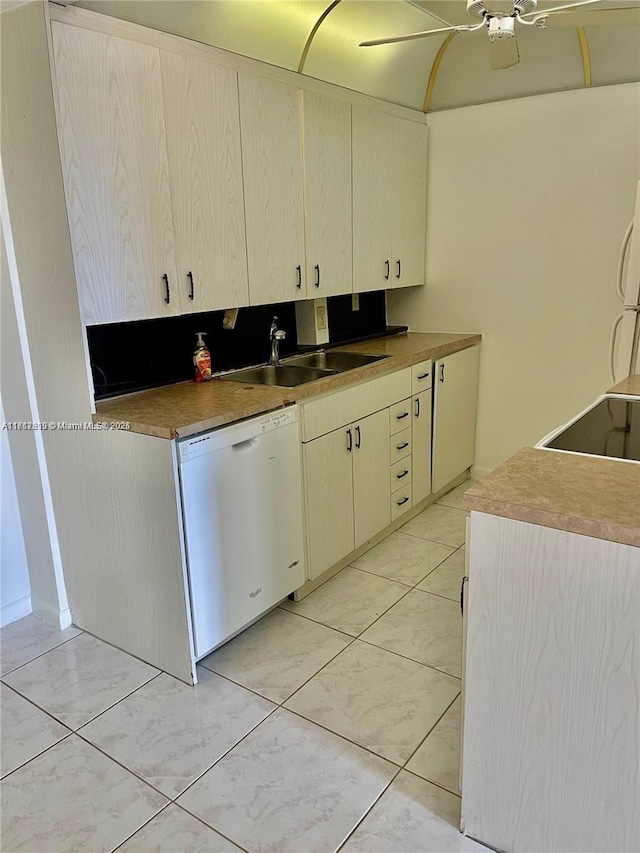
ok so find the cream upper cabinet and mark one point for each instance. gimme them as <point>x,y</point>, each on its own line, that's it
<point>409,195</point>
<point>454,415</point>
<point>202,120</point>
<point>328,487</point>
<point>327,195</point>
<point>116,175</point>
<point>372,182</point>
<point>389,200</point>
<point>371,460</point>
<point>271,123</point>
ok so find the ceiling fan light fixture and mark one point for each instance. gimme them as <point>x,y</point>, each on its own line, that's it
<point>501,28</point>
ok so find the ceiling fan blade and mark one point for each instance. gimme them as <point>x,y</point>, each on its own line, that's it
<point>417,5</point>
<point>504,53</point>
<point>425,34</point>
<point>529,17</point>
<point>596,17</point>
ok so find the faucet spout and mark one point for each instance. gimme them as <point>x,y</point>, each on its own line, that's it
<point>275,336</point>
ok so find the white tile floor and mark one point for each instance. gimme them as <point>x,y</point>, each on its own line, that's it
<point>331,724</point>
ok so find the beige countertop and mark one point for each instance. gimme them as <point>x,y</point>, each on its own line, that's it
<point>630,385</point>
<point>187,408</point>
<point>581,494</point>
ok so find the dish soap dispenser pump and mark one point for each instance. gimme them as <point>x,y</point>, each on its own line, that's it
<point>201,359</point>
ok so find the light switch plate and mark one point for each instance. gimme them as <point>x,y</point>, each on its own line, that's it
<point>321,315</point>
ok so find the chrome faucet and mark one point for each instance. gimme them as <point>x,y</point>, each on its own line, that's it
<point>275,336</point>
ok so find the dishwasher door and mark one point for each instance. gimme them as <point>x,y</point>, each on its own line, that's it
<point>242,512</point>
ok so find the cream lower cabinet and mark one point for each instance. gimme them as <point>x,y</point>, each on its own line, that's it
<point>347,455</point>
<point>371,476</point>
<point>454,415</point>
<point>551,710</point>
<point>328,476</point>
<point>347,489</point>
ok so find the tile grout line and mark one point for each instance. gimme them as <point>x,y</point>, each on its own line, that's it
<point>448,708</point>
<point>142,826</point>
<point>37,657</point>
<point>430,782</point>
<point>369,810</point>
<point>413,660</point>
<point>33,757</point>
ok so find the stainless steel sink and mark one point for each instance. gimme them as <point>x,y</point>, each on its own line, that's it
<point>280,374</point>
<point>335,361</point>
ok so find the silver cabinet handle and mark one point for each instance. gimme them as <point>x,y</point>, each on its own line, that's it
<point>403,474</point>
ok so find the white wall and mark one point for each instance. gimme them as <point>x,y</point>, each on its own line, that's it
<point>15,590</point>
<point>526,207</point>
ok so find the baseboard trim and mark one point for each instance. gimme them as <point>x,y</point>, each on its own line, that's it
<point>60,619</point>
<point>478,473</point>
<point>311,585</point>
<point>15,610</point>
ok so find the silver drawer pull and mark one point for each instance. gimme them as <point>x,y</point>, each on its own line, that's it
<point>403,415</point>
<point>402,446</point>
<point>403,501</point>
<point>404,474</point>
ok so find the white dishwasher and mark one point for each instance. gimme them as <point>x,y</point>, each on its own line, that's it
<point>242,513</point>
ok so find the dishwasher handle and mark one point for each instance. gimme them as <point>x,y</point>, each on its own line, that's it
<point>248,444</point>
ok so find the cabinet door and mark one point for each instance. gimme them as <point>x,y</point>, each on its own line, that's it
<point>409,196</point>
<point>328,484</point>
<point>203,132</point>
<point>372,184</point>
<point>371,488</point>
<point>327,171</point>
<point>421,446</point>
<point>270,116</point>
<point>116,175</point>
<point>454,415</point>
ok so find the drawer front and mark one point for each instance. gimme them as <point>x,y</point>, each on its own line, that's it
<point>400,473</point>
<point>421,376</point>
<point>399,416</point>
<point>321,415</point>
<point>400,501</point>
<point>400,445</point>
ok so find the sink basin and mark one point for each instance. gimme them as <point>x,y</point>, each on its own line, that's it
<point>335,361</point>
<point>285,375</point>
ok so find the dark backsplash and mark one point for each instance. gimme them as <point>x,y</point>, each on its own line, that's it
<point>128,357</point>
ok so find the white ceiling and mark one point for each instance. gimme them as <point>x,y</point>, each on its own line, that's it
<point>276,31</point>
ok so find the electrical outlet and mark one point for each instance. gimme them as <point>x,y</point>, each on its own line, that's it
<point>321,314</point>
<point>229,319</point>
<point>355,302</point>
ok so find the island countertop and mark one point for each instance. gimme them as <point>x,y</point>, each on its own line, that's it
<point>187,408</point>
<point>566,491</point>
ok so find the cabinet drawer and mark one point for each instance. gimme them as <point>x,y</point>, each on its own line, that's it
<point>400,501</point>
<point>399,416</point>
<point>400,445</point>
<point>324,414</point>
<point>421,376</point>
<point>400,473</point>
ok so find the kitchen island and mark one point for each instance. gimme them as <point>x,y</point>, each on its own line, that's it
<point>552,671</point>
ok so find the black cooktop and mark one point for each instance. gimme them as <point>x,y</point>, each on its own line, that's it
<point>611,428</point>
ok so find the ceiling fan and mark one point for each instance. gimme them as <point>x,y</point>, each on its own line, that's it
<point>499,20</point>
